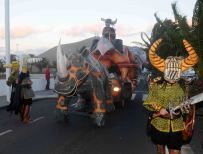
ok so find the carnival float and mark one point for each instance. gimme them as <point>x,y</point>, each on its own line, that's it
<point>93,80</point>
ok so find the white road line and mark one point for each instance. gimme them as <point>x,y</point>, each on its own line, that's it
<point>144,96</point>
<point>6,132</point>
<point>37,119</point>
<point>186,149</point>
<point>133,97</point>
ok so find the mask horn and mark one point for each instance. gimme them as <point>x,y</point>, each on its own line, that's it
<point>155,60</point>
<point>192,59</point>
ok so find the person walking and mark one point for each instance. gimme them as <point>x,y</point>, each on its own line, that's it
<point>27,94</point>
<point>47,77</point>
<point>11,82</point>
<point>165,93</point>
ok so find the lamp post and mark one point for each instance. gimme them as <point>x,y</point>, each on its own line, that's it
<point>7,45</point>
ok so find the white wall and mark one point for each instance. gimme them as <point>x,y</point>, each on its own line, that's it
<point>39,83</point>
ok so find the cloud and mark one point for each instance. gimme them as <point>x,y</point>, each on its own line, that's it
<point>22,31</point>
<point>77,31</point>
<point>129,31</point>
<point>1,32</point>
<point>96,29</point>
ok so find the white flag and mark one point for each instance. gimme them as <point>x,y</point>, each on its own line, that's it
<point>104,45</point>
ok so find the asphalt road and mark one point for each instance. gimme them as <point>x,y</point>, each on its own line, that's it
<point>123,133</point>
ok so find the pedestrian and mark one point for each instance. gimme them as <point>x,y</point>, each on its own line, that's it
<point>165,92</point>
<point>11,82</point>
<point>27,94</point>
<point>47,77</point>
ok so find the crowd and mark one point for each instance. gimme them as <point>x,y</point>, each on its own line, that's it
<point>21,90</point>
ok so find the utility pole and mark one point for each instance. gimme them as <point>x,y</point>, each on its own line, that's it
<point>7,46</point>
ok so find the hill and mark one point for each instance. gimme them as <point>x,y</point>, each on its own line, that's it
<point>50,54</point>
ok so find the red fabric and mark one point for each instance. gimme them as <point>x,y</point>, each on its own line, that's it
<point>47,73</point>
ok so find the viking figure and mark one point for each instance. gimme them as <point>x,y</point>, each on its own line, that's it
<point>166,93</point>
<point>118,59</point>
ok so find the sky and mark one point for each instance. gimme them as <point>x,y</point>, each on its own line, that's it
<point>37,25</point>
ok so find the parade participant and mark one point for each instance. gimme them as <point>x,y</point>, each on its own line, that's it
<point>47,77</point>
<point>12,81</point>
<point>165,92</point>
<point>26,94</point>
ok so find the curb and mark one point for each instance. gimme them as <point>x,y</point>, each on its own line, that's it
<point>37,99</point>
<point>44,97</point>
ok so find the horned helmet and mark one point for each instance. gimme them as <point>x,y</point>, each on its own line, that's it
<point>108,31</point>
<point>172,67</point>
<point>14,65</point>
<point>22,63</point>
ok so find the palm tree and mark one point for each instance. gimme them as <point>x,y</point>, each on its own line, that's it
<point>197,24</point>
<point>173,32</point>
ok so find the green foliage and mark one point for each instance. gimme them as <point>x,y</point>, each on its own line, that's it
<point>173,32</point>
<point>197,24</point>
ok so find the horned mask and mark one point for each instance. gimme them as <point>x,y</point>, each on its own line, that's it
<point>172,67</point>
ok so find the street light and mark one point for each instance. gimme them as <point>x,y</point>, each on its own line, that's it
<point>7,46</point>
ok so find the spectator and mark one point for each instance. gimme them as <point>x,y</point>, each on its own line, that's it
<point>11,82</point>
<point>26,94</point>
<point>47,77</point>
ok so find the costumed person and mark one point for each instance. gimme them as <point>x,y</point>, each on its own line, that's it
<point>12,81</point>
<point>164,93</point>
<point>18,90</point>
<point>47,77</point>
<point>26,94</point>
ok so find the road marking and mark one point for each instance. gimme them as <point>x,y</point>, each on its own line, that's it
<point>6,132</point>
<point>144,97</point>
<point>133,97</point>
<point>37,119</point>
<point>186,149</point>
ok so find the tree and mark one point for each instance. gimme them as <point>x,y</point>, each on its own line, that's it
<point>197,24</point>
<point>173,32</point>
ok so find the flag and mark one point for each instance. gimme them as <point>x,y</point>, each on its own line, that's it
<point>104,45</point>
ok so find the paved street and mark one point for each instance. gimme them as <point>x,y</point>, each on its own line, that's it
<point>124,132</point>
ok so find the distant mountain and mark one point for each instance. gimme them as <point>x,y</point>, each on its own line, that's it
<point>50,54</point>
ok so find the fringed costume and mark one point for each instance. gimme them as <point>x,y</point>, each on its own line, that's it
<point>164,93</point>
